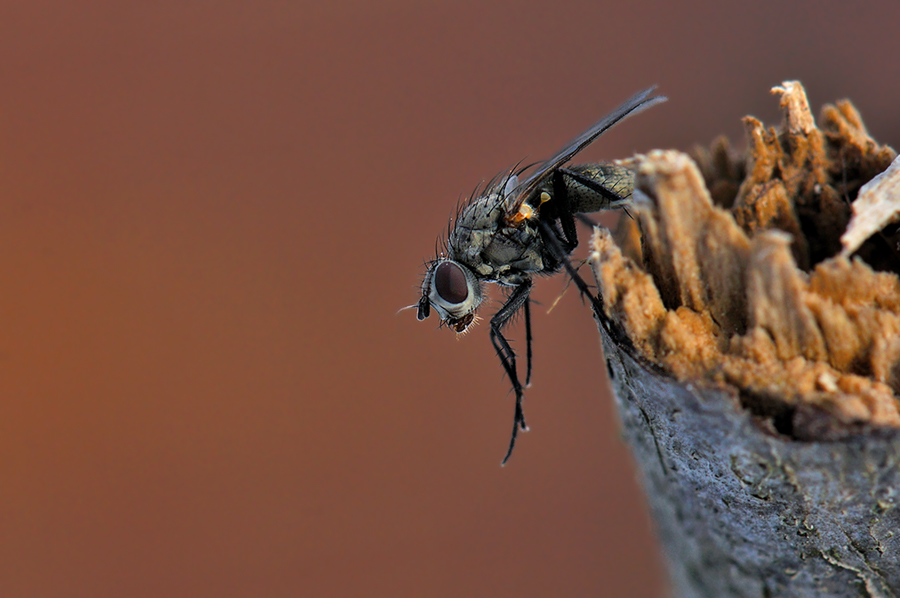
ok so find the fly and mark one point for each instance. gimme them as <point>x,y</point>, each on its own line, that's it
<point>522,225</point>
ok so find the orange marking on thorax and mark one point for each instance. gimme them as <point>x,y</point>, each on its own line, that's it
<point>526,212</point>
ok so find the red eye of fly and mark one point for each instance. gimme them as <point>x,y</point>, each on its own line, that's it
<point>450,283</point>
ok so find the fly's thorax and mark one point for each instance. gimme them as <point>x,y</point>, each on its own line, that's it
<point>485,239</point>
<point>454,292</point>
<point>515,253</point>
<point>474,230</point>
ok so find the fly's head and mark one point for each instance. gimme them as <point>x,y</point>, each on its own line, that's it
<point>454,292</point>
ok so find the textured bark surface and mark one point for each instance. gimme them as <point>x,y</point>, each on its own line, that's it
<point>740,510</point>
<point>756,362</point>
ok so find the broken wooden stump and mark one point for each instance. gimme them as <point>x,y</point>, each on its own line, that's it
<point>753,343</point>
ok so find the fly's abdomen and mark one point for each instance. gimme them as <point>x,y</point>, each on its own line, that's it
<point>583,183</point>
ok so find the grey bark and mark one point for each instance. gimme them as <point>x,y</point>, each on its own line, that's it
<point>743,511</point>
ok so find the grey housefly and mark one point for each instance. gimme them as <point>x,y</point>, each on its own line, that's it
<point>521,225</point>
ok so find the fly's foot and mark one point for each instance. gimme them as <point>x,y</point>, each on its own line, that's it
<point>518,424</point>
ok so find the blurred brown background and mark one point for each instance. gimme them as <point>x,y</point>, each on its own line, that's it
<point>210,213</point>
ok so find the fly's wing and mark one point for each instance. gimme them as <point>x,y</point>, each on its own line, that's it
<point>640,101</point>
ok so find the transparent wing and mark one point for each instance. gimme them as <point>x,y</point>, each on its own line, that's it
<point>638,102</point>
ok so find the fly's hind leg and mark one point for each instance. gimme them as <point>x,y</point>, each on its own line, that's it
<point>560,251</point>
<point>517,299</point>
<point>553,243</point>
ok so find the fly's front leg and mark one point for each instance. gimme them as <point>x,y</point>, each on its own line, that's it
<point>516,300</point>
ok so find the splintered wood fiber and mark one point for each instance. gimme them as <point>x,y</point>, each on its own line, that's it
<point>775,273</point>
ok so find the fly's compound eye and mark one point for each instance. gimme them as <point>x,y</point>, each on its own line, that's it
<point>453,291</point>
<point>450,283</point>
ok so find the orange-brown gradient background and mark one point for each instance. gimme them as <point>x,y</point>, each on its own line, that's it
<point>210,213</point>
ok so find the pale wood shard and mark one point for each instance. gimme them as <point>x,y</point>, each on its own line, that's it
<point>726,296</point>
<point>876,206</point>
<point>795,108</point>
